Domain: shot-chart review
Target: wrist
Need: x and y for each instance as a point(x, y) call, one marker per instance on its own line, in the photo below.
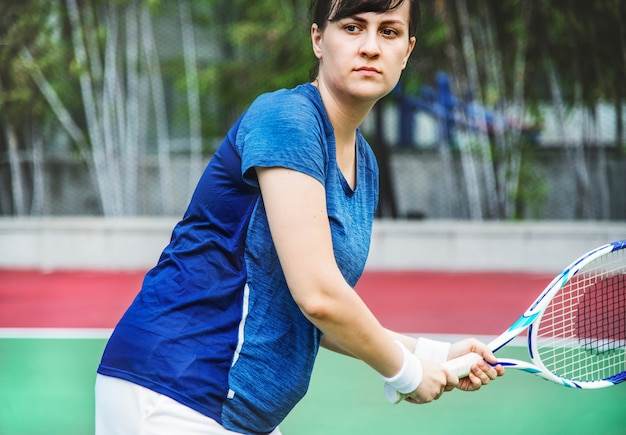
point(410, 375)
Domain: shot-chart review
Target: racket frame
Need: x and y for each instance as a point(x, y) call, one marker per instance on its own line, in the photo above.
point(532, 316)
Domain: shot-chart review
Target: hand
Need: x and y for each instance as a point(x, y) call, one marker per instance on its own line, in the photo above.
point(482, 372)
point(435, 381)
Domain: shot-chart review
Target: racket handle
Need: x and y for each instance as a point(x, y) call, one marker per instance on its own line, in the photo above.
point(460, 366)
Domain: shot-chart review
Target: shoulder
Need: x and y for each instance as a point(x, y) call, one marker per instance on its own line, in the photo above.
point(298, 96)
point(300, 107)
point(286, 128)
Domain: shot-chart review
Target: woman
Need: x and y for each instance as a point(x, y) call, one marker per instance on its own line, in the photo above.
point(260, 271)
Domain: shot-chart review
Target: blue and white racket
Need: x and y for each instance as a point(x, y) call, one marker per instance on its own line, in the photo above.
point(576, 327)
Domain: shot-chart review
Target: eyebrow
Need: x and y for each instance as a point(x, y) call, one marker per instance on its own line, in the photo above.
point(363, 20)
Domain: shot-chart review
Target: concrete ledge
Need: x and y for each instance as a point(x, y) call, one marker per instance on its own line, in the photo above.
point(136, 243)
point(83, 243)
point(487, 246)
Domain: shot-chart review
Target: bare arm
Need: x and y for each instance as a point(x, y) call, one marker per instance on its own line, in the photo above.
point(296, 209)
point(408, 342)
point(295, 204)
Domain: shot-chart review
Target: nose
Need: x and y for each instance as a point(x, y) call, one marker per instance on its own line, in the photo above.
point(370, 47)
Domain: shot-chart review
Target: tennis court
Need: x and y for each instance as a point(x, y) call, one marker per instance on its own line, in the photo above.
point(53, 328)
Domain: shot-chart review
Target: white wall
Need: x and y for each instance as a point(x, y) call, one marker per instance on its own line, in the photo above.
point(135, 244)
point(492, 246)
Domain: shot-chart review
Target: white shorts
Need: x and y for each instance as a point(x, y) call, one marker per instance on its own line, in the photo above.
point(124, 408)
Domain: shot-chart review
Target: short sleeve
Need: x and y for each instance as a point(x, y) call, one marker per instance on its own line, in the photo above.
point(282, 129)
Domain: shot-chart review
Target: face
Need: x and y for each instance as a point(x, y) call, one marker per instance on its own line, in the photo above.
point(361, 57)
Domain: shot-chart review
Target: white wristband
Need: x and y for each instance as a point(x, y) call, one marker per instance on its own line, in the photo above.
point(432, 350)
point(409, 376)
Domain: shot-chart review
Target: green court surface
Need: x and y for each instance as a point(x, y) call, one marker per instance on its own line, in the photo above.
point(46, 387)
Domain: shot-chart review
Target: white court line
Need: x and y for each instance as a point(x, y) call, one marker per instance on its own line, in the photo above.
point(105, 333)
point(59, 333)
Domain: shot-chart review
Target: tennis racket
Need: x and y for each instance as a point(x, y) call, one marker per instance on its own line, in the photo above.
point(576, 327)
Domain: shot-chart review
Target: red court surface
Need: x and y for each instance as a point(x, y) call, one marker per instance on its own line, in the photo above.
point(425, 302)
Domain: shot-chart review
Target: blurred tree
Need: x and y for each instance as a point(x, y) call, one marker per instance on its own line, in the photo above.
point(517, 56)
point(586, 41)
point(265, 46)
point(96, 68)
point(27, 27)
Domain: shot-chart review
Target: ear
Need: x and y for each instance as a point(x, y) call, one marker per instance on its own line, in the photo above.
point(316, 39)
point(409, 51)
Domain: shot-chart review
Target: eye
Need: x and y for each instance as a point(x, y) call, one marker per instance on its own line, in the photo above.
point(390, 33)
point(351, 28)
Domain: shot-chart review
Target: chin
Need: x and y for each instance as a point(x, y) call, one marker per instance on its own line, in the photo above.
point(370, 91)
point(371, 96)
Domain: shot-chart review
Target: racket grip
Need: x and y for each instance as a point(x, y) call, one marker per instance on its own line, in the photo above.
point(460, 366)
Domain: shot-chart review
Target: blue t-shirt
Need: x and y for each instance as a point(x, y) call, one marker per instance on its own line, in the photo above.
point(214, 325)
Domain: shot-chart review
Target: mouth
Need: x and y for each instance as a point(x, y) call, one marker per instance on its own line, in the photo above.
point(368, 71)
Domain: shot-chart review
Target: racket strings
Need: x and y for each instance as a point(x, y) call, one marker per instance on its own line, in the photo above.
point(582, 333)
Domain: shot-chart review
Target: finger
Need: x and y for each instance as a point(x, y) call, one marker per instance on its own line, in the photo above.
point(451, 379)
point(470, 383)
point(499, 370)
point(485, 376)
point(443, 390)
point(491, 371)
point(476, 381)
point(489, 356)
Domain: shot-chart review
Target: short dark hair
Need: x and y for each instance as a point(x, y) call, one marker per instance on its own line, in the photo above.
point(323, 11)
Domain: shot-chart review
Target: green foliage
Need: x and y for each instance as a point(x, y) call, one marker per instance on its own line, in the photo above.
point(265, 46)
point(23, 25)
point(531, 199)
point(429, 54)
point(586, 41)
point(38, 27)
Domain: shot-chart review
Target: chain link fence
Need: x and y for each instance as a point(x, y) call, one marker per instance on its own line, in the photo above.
point(128, 131)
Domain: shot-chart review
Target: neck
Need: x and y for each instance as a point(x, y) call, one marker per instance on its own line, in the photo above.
point(344, 114)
